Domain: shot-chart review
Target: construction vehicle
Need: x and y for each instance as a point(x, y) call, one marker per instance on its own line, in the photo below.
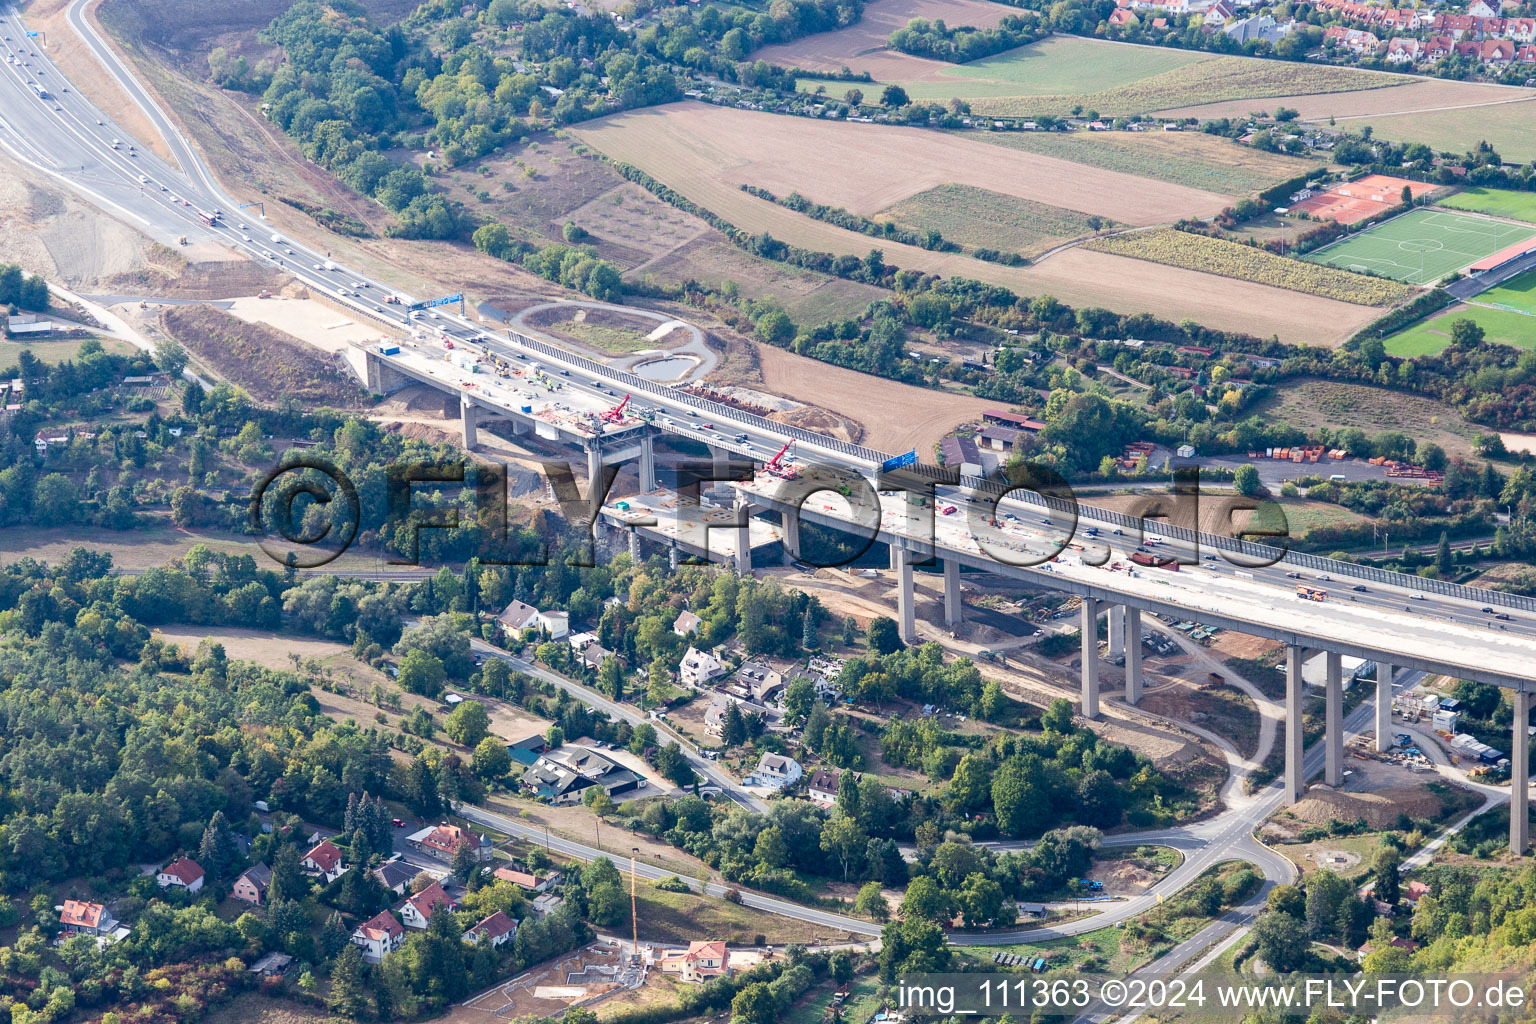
point(263, 294)
point(777, 467)
point(1307, 593)
point(1155, 561)
point(616, 413)
point(181, 240)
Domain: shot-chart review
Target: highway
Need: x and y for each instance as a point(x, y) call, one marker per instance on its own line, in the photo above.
point(64, 136)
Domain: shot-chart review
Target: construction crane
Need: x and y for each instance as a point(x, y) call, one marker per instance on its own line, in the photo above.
point(616, 413)
point(776, 466)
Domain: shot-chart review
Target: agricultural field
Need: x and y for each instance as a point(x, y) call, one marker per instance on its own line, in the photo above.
point(1061, 73)
point(1422, 246)
point(1247, 263)
point(1505, 125)
point(52, 352)
point(865, 168)
point(1428, 337)
point(984, 219)
point(1311, 403)
point(1517, 293)
point(1407, 96)
point(662, 142)
point(862, 45)
point(1180, 158)
point(1495, 202)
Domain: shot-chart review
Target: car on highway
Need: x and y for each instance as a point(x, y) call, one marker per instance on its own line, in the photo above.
point(948, 510)
point(99, 121)
point(706, 426)
point(1502, 617)
point(1293, 575)
point(1360, 588)
point(1487, 610)
point(245, 238)
point(318, 267)
point(288, 251)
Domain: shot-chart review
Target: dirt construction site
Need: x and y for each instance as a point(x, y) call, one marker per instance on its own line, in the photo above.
point(584, 977)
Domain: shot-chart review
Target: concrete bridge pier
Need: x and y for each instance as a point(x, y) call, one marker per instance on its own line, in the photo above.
point(954, 604)
point(469, 418)
point(634, 544)
point(1133, 679)
point(1520, 776)
point(743, 537)
point(1295, 688)
point(594, 467)
point(905, 613)
point(789, 522)
point(1333, 725)
point(1384, 675)
point(673, 556)
point(647, 464)
point(1090, 627)
point(1116, 631)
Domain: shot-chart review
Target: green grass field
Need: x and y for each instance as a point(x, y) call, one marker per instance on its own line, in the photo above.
point(1498, 202)
point(57, 351)
point(989, 220)
point(1517, 293)
point(1068, 64)
point(1422, 246)
point(1429, 337)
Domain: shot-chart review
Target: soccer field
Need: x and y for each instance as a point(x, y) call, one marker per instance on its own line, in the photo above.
point(1516, 293)
point(1496, 201)
point(1423, 246)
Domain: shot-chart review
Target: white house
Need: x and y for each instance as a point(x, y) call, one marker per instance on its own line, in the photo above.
point(416, 912)
point(324, 861)
point(822, 788)
point(517, 618)
point(696, 965)
point(496, 929)
point(181, 873)
point(379, 937)
point(775, 771)
point(686, 624)
point(699, 668)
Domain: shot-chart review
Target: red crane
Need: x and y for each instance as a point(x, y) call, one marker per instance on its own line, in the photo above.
point(776, 466)
point(616, 413)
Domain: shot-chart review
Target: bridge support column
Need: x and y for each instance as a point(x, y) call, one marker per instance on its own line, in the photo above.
point(906, 616)
point(789, 523)
point(634, 545)
point(1333, 725)
point(1384, 675)
point(673, 556)
point(744, 538)
point(1294, 689)
point(469, 419)
point(1116, 631)
point(594, 467)
point(647, 464)
point(1090, 624)
point(1520, 777)
point(954, 604)
point(894, 564)
point(1133, 678)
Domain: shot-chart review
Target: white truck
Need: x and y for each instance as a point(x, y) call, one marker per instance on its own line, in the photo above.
point(277, 238)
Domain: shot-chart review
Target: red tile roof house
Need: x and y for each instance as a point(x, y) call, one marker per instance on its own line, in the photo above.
point(379, 937)
point(181, 873)
point(251, 887)
point(443, 841)
point(497, 928)
point(417, 910)
point(324, 860)
point(86, 918)
point(527, 879)
point(702, 961)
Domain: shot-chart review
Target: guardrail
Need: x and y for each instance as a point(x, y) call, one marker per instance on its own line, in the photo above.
point(1264, 552)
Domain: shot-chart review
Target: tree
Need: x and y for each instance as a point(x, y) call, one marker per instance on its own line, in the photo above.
point(468, 724)
point(218, 853)
point(798, 698)
point(981, 899)
point(850, 630)
point(1443, 561)
point(841, 965)
point(871, 902)
point(925, 900)
point(1245, 480)
point(1388, 882)
point(844, 839)
point(610, 678)
point(287, 883)
point(1466, 333)
point(854, 97)
point(894, 96)
point(1282, 941)
point(1020, 796)
point(754, 1004)
point(491, 760)
point(883, 637)
point(422, 673)
point(1407, 196)
point(733, 729)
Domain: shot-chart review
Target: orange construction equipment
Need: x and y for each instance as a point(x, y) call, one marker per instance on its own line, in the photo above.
point(776, 466)
point(616, 413)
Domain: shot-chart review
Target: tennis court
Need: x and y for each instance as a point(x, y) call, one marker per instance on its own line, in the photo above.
point(1423, 246)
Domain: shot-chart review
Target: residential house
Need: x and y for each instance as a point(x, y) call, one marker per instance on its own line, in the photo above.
point(580, 641)
point(686, 624)
point(251, 887)
point(775, 771)
point(1435, 47)
point(527, 750)
point(714, 715)
point(1219, 13)
point(496, 929)
point(822, 788)
point(546, 903)
point(1414, 890)
point(80, 917)
point(517, 618)
point(1120, 17)
point(396, 875)
point(417, 910)
point(324, 860)
point(593, 766)
point(699, 668)
point(1257, 29)
point(273, 965)
point(1484, 9)
point(697, 964)
point(555, 783)
point(595, 654)
point(443, 841)
point(528, 880)
point(1404, 51)
point(762, 682)
point(380, 936)
point(181, 873)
